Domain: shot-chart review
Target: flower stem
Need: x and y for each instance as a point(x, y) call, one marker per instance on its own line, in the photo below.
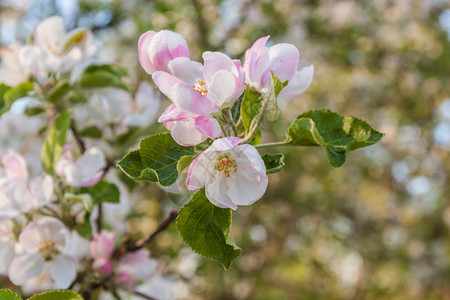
point(275, 144)
point(229, 119)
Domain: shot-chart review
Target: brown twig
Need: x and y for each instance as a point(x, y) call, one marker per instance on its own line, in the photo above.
point(143, 295)
point(163, 226)
point(77, 136)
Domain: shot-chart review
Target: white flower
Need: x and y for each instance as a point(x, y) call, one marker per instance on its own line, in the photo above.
point(87, 170)
point(46, 241)
point(16, 194)
point(232, 174)
point(144, 107)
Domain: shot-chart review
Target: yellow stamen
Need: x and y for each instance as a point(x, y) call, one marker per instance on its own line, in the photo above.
point(226, 164)
point(48, 249)
point(201, 87)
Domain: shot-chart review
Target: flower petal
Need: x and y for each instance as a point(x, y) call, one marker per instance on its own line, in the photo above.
point(217, 192)
point(200, 170)
point(183, 95)
point(63, 271)
point(225, 144)
point(16, 166)
point(222, 87)
point(187, 70)
point(144, 59)
point(246, 186)
point(25, 267)
point(208, 126)
point(50, 34)
point(298, 84)
point(185, 133)
point(214, 62)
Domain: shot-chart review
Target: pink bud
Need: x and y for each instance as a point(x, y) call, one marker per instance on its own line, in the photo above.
point(125, 281)
point(102, 265)
point(102, 245)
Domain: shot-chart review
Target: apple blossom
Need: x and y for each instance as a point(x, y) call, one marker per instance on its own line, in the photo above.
point(17, 195)
point(11, 72)
point(86, 170)
point(198, 91)
point(102, 247)
point(157, 49)
point(56, 50)
point(144, 108)
point(283, 60)
point(133, 268)
point(46, 241)
point(232, 174)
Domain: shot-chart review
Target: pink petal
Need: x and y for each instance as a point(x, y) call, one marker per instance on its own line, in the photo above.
point(138, 265)
point(225, 144)
point(173, 113)
point(200, 170)
point(252, 56)
point(214, 62)
point(165, 46)
point(16, 166)
point(144, 58)
point(208, 126)
point(284, 61)
point(102, 265)
point(102, 245)
point(183, 95)
point(222, 87)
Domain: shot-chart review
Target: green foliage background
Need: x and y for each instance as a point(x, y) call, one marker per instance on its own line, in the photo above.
point(376, 228)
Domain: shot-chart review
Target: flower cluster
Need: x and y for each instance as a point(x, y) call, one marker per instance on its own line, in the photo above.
point(231, 170)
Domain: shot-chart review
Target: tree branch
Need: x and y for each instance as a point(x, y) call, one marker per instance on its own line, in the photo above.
point(77, 136)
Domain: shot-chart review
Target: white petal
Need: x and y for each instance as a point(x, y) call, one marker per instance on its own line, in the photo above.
point(50, 33)
point(223, 86)
point(63, 271)
point(6, 255)
point(246, 187)
point(90, 163)
point(216, 192)
point(298, 84)
point(186, 134)
point(200, 169)
point(250, 155)
point(15, 165)
point(25, 267)
point(187, 70)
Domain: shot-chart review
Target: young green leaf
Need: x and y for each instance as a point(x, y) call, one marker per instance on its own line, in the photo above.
point(103, 192)
point(156, 160)
point(58, 91)
point(9, 95)
point(84, 227)
point(336, 134)
point(271, 109)
point(274, 162)
point(85, 199)
point(250, 106)
point(184, 162)
point(54, 142)
point(92, 132)
point(206, 227)
point(57, 295)
point(102, 76)
point(9, 295)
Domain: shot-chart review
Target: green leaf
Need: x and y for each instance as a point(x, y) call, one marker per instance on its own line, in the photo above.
point(274, 162)
point(206, 227)
point(102, 76)
point(33, 111)
point(271, 109)
point(54, 142)
point(9, 295)
point(336, 134)
point(184, 162)
point(76, 36)
point(9, 95)
point(156, 160)
point(57, 295)
point(250, 106)
point(86, 199)
point(84, 228)
point(103, 192)
point(92, 132)
point(58, 91)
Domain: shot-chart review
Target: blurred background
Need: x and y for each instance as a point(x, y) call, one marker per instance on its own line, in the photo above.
point(376, 228)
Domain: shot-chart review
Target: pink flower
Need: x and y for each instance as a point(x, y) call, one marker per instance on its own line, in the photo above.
point(46, 241)
point(157, 49)
point(102, 245)
point(86, 170)
point(197, 91)
point(283, 60)
point(144, 107)
point(135, 267)
point(232, 174)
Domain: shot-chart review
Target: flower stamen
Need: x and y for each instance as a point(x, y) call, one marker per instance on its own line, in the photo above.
point(48, 249)
point(201, 87)
point(225, 164)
